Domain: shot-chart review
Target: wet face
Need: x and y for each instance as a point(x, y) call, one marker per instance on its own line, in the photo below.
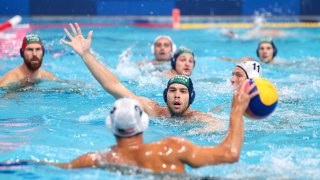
point(177, 99)
point(266, 52)
point(163, 49)
point(185, 64)
point(238, 76)
point(32, 56)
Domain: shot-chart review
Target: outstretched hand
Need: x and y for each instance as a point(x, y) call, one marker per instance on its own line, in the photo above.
point(244, 59)
point(78, 43)
point(242, 95)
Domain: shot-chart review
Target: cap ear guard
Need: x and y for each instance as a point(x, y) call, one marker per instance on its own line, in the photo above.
point(144, 121)
point(275, 50)
point(173, 62)
point(108, 119)
point(21, 52)
point(192, 97)
point(165, 92)
point(192, 94)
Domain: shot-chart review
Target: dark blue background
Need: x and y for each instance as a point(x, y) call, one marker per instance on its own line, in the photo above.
point(160, 7)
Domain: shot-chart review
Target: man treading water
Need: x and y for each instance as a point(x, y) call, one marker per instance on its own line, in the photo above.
point(29, 73)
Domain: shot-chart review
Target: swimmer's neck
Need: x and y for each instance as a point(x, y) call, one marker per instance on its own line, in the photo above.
point(185, 114)
point(271, 61)
point(158, 61)
point(161, 60)
point(133, 142)
point(27, 72)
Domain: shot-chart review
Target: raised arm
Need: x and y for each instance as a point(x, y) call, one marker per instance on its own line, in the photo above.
point(229, 149)
point(103, 75)
point(237, 60)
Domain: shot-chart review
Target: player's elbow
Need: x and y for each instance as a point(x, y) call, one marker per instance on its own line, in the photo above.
point(232, 155)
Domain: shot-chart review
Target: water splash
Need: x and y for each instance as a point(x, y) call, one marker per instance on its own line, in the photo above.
point(127, 69)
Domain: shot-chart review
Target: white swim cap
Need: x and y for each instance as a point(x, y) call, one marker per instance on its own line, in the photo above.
point(251, 68)
point(127, 118)
point(174, 47)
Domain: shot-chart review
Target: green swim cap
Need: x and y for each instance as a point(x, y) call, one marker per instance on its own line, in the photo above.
point(266, 40)
point(180, 79)
point(30, 38)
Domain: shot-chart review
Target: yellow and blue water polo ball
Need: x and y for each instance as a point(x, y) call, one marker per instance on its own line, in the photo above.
point(263, 104)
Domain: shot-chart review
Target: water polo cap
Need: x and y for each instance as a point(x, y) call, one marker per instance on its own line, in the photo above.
point(127, 118)
point(251, 68)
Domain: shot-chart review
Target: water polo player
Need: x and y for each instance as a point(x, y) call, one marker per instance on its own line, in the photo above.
point(32, 52)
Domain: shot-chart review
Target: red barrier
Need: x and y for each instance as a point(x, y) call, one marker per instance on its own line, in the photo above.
point(10, 23)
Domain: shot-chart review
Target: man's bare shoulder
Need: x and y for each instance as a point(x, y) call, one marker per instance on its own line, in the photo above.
point(47, 75)
point(12, 72)
point(174, 141)
point(10, 77)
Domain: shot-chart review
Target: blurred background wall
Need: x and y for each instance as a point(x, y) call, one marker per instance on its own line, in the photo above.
point(160, 7)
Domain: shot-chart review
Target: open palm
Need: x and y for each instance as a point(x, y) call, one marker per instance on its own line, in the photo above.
point(78, 43)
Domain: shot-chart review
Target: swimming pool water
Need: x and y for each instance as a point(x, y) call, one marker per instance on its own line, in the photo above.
point(57, 122)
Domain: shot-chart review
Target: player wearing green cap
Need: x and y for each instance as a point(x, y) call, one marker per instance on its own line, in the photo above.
point(266, 52)
point(32, 52)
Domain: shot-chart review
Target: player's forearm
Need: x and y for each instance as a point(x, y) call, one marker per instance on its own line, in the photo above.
point(234, 139)
point(61, 165)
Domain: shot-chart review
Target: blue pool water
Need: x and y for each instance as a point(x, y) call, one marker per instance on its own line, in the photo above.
point(57, 122)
